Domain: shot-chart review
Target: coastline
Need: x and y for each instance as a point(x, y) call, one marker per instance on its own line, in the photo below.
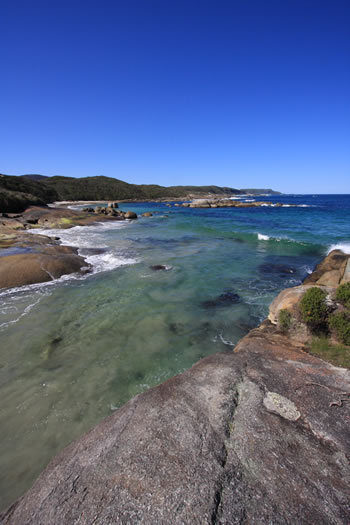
point(234, 437)
point(28, 258)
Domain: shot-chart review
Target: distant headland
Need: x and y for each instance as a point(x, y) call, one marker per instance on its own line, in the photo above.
point(19, 192)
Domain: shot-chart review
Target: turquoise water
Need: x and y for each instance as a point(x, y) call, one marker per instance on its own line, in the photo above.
point(75, 350)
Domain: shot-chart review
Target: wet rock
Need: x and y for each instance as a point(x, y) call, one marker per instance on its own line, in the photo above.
point(225, 299)
point(31, 268)
point(159, 267)
point(113, 205)
point(92, 251)
point(330, 271)
point(147, 214)
point(130, 215)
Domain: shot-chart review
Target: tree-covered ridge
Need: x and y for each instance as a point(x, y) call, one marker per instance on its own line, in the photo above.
point(41, 189)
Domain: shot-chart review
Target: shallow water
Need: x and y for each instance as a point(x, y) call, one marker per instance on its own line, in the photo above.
point(74, 350)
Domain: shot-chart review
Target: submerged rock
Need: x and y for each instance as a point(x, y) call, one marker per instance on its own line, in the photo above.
point(279, 269)
point(225, 299)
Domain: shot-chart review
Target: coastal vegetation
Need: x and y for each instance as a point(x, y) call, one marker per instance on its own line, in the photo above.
point(284, 320)
point(18, 192)
point(313, 308)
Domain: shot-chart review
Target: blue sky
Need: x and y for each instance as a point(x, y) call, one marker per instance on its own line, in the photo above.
point(237, 93)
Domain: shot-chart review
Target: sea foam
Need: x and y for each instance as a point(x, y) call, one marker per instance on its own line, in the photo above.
point(263, 237)
point(343, 246)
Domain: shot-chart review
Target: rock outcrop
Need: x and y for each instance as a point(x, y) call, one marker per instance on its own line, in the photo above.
point(332, 271)
point(227, 203)
point(257, 436)
point(243, 437)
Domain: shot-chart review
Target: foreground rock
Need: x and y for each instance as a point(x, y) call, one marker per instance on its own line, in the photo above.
point(244, 437)
point(259, 436)
point(31, 268)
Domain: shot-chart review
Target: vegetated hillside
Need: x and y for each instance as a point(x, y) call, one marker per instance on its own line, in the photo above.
point(35, 176)
point(106, 188)
point(17, 193)
point(93, 188)
point(257, 191)
point(39, 189)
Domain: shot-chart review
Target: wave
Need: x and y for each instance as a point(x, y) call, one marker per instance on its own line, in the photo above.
point(263, 237)
point(83, 237)
point(343, 246)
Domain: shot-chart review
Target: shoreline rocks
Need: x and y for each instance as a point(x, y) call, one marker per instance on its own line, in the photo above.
point(256, 436)
point(35, 258)
point(228, 203)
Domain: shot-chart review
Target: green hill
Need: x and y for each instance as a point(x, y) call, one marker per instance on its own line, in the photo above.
point(18, 192)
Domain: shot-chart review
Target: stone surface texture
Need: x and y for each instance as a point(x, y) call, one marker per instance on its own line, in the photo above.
point(203, 449)
point(258, 436)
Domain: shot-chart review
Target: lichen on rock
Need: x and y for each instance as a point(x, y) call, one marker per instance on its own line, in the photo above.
point(282, 406)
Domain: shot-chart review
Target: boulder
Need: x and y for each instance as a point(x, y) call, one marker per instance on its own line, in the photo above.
point(244, 437)
point(330, 271)
point(130, 215)
point(31, 268)
point(346, 276)
point(147, 214)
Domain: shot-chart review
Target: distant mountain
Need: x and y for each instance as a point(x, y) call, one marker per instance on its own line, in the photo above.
point(17, 192)
point(256, 191)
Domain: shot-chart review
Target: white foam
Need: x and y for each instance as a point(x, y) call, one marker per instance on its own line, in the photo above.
point(343, 246)
point(80, 237)
point(107, 262)
point(263, 237)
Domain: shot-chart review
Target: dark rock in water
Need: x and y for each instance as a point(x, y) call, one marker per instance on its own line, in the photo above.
point(157, 267)
point(280, 269)
point(225, 299)
point(92, 251)
point(147, 214)
point(130, 215)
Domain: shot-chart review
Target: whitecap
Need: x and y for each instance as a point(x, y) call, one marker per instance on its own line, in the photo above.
point(263, 237)
point(343, 246)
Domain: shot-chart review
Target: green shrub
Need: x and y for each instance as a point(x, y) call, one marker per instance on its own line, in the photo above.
point(313, 308)
point(284, 320)
point(343, 294)
point(340, 323)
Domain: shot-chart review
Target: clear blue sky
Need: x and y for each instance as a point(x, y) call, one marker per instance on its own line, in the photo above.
point(237, 93)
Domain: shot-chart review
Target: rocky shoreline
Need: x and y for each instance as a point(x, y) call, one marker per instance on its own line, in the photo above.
point(259, 435)
point(27, 258)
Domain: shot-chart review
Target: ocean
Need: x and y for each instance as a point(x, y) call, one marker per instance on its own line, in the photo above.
point(76, 349)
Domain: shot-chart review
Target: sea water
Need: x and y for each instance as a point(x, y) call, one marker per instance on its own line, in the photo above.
point(76, 349)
